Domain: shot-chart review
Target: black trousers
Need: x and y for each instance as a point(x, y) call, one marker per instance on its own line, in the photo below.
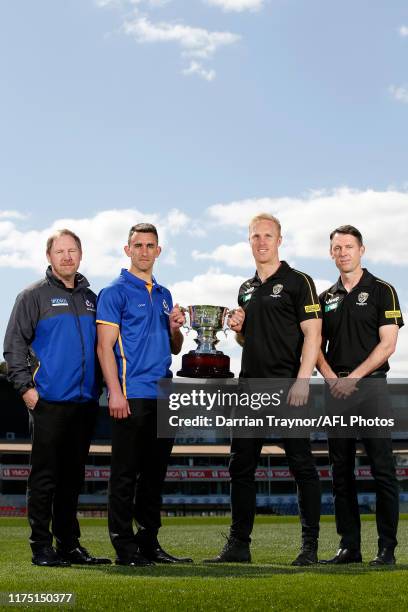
point(245, 454)
point(61, 435)
point(138, 469)
point(342, 454)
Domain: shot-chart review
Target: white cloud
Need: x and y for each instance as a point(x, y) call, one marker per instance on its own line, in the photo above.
point(236, 255)
point(103, 237)
point(399, 93)
point(170, 257)
point(195, 42)
point(11, 214)
point(237, 5)
point(213, 287)
point(175, 221)
point(197, 68)
point(308, 221)
point(403, 31)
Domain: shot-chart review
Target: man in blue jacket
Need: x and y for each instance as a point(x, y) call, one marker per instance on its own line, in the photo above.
point(49, 348)
point(138, 329)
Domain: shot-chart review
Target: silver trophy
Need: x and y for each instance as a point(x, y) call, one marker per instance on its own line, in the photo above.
point(205, 361)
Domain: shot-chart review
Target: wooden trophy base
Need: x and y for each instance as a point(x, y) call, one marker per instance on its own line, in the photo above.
point(205, 365)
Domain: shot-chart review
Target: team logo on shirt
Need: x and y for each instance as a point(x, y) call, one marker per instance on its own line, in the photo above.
point(59, 302)
point(166, 307)
point(362, 299)
point(331, 303)
point(276, 289)
point(247, 295)
point(90, 306)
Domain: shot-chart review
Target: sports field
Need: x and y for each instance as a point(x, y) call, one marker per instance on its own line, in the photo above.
point(269, 583)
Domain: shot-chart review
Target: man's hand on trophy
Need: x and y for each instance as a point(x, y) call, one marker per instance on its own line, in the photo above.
point(236, 319)
point(177, 318)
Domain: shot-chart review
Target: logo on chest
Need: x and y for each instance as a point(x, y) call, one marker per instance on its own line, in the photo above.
point(276, 291)
point(166, 307)
point(90, 305)
point(331, 303)
point(247, 295)
point(362, 299)
point(59, 302)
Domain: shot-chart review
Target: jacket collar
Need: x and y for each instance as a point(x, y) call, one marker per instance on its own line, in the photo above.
point(80, 281)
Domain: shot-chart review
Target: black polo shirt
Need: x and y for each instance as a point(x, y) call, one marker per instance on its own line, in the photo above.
point(273, 313)
point(351, 320)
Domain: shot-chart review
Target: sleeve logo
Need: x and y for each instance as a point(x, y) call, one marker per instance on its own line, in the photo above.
point(312, 308)
point(392, 314)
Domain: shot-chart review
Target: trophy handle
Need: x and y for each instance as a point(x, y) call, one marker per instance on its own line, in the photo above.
point(187, 325)
point(226, 315)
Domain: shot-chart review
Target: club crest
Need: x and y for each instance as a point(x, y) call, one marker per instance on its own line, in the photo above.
point(165, 306)
point(276, 289)
point(362, 297)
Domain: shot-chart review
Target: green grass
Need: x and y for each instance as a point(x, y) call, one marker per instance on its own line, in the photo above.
point(269, 583)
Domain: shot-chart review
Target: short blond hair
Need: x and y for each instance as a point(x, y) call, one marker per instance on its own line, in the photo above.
point(265, 217)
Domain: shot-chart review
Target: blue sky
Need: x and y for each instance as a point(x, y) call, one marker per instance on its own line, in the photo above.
point(197, 114)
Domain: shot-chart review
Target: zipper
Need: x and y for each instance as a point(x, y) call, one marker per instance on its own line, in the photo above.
point(78, 324)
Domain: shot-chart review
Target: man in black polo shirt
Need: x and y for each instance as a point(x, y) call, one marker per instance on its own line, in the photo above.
point(278, 324)
point(361, 319)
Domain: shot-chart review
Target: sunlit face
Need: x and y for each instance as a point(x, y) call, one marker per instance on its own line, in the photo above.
point(347, 252)
point(143, 251)
point(265, 239)
point(64, 257)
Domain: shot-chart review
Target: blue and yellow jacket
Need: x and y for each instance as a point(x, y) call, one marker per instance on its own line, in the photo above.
point(50, 341)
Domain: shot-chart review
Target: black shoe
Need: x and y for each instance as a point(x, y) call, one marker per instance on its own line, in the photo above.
point(48, 557)
point(136, 560)
point(234, 551)
point(150, 548)
point(343, 556)
point(385, 556)
point(307, 555)
point(80, 556)
point(156, 554)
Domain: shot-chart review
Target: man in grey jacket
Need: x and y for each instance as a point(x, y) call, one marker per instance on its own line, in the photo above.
point(49, 348)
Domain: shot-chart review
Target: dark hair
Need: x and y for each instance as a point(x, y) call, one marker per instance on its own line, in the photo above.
point(144, 228)
point(348, 229)
point(58, 234)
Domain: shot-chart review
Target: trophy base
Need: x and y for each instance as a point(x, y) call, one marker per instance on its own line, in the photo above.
point(205, 365)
